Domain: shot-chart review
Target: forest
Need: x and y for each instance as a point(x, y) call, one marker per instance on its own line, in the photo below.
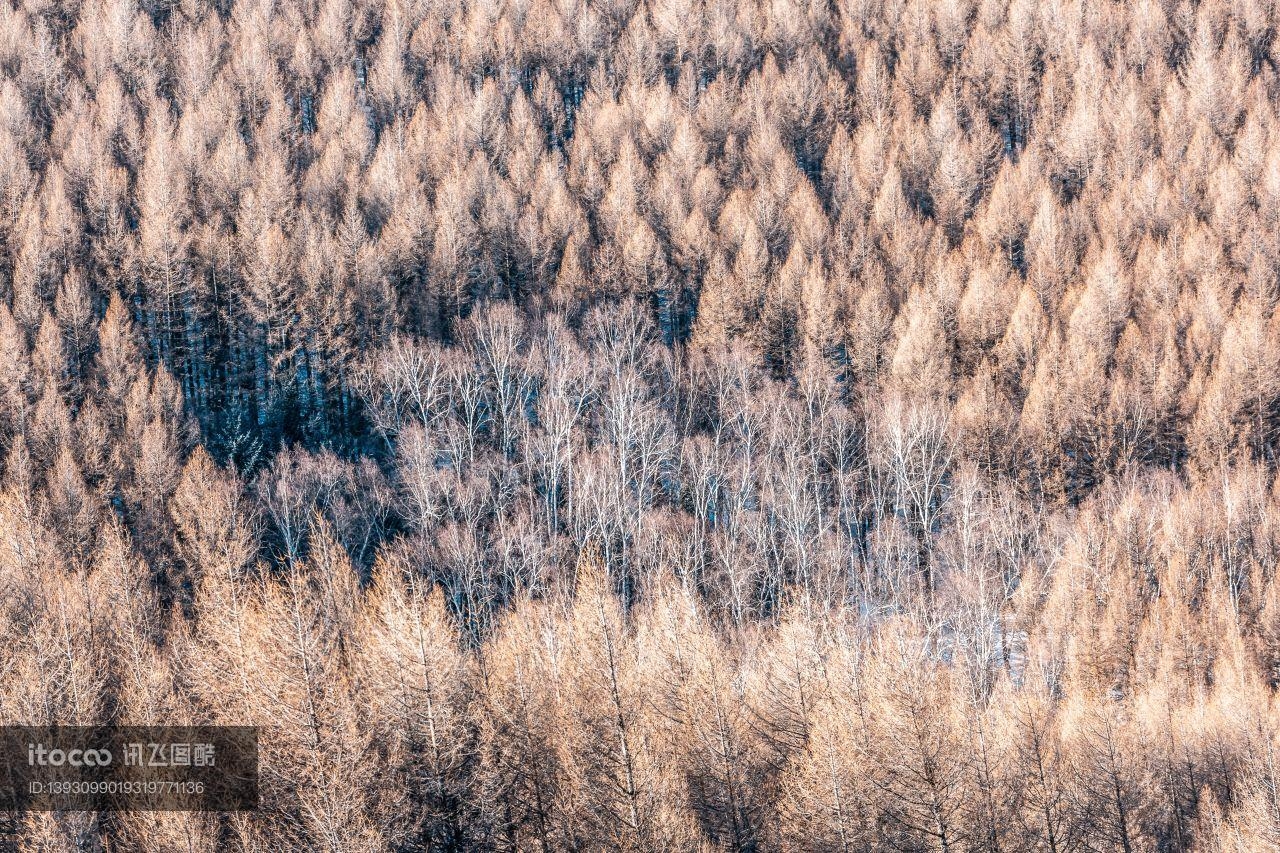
point(845, 426)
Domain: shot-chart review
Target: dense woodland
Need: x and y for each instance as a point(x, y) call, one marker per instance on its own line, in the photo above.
point(651, 425)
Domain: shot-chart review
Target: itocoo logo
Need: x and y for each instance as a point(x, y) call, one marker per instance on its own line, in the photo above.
point(40, 755)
